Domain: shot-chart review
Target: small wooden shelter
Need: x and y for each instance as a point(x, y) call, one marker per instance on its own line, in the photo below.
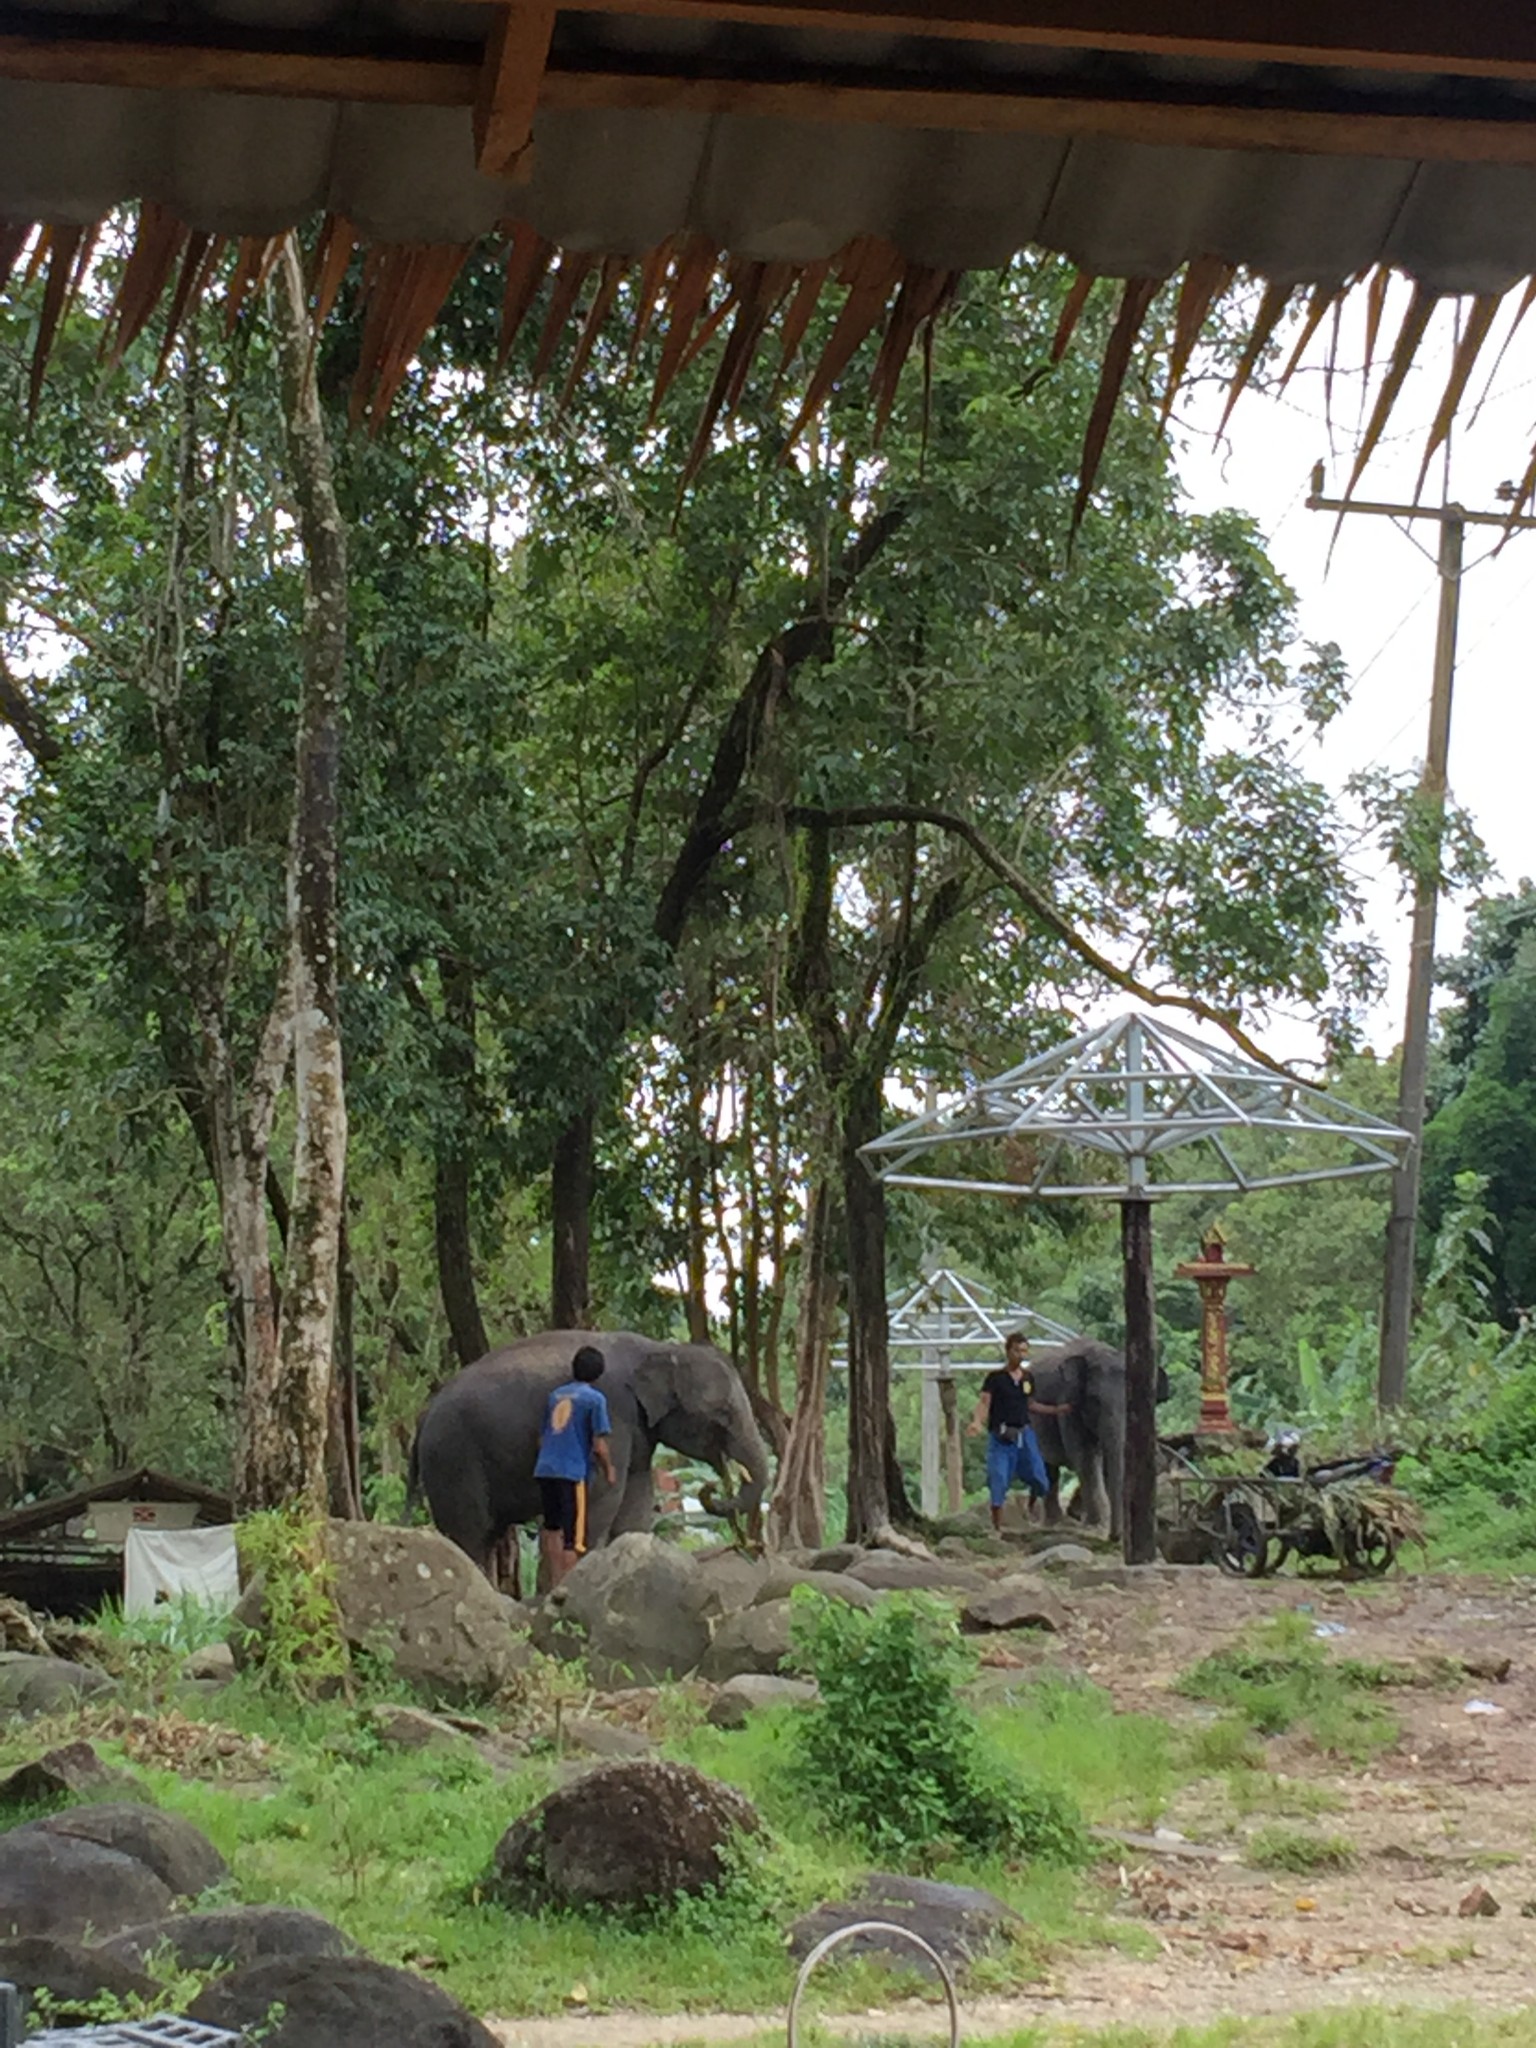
point(64, 1555)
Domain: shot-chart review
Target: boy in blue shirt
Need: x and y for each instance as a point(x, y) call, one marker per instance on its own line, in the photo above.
point(575, 1436)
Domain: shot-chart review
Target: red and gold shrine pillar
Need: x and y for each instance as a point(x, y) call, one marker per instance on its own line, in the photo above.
point(1211, 1273)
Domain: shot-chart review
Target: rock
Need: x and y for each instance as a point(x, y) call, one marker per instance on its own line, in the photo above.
point(957, 1921)
point(604, 1739)
point(635, 1609)
point(752, 1691)
point(782, 1580)
point(757, 1640)
point(63, 1886)
point(230, 1936)
point(32, 1685)
point(214, 1665)
point(623, 1835)
point(337, 2002)
point(1014, 1603)
point(73, 1976)
point(1494, 1669)
point(890, 1571)
point(1125, 1578)
point(838, 1557)
point(732, 1579)
point(183, 1859)
point(1479, 1904)
point(413, 1727)
point(1059, 1557)
point(71, 1772)
point(414, 1596)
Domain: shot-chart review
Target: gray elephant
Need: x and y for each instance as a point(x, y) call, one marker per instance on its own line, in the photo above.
point(1087, 1380)
point(478, 1438)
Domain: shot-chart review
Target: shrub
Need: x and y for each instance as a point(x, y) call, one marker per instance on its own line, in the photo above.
point(299, 1647)
point(893, 1755)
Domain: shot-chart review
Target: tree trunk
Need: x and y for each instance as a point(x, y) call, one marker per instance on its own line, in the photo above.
point(797, 1513)
point(450, 1190)
point(871, 1502)
point(343, 1461)
point(570, 1306)
point(288, 1406)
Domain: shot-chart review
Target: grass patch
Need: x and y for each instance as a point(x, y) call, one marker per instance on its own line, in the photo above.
point(1277, 1848)
point(1253, 1792)
point(1278, 1677)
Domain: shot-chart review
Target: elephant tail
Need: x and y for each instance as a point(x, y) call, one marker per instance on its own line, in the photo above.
point(413, 1476)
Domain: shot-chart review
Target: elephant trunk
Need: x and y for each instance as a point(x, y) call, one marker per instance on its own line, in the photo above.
point(752, 1455)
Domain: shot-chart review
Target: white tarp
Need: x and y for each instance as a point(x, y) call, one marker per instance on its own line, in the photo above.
point(177, 1564)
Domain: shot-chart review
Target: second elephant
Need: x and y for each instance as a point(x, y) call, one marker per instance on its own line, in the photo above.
point(478, 1437)
point(1089, 1440)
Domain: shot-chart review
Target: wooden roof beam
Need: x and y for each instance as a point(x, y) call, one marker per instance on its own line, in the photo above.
point(1473, 38)
point(504, 84)
point(507, 91)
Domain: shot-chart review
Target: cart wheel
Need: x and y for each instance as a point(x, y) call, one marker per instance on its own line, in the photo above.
point(1373, 1552)
point(1242, 1544)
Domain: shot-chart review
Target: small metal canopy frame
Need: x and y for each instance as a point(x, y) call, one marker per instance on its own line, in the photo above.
point(949, 1323)
point(1122, 1099)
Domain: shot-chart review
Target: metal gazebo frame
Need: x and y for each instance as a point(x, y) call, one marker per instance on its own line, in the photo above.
point(944, 1324)
point(1131, 1093)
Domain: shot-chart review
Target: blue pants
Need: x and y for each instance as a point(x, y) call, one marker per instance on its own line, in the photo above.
point(1009, 1462)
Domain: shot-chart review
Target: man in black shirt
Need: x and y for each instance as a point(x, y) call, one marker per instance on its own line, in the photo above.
point(1003, 1411)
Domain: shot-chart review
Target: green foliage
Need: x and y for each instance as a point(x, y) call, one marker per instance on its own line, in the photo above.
point(181, 1625)
point(891, 1754)
point(1278, 1848)
point(299, 1647)
point(1278, 1676)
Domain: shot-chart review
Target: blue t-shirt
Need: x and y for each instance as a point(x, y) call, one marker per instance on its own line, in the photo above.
point(576, 1413)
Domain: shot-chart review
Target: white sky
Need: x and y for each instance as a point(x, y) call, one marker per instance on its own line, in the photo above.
point(1378, 596)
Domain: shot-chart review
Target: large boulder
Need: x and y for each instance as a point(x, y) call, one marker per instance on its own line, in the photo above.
point(73, 1771)
point(231, 1937)
point(624, 1835)
point(892, 1571)
point(31, 1685)
point(412, 1599)
point(751, 1692)
point(732, 1578)
point(337, 2002)
point(66, 1887)
point(782, 1580)
point(1017, 1602)
point(756, 1640)
point(73, 1976)
point(183, 1859)
point(637, 1610)
point(958, 1922)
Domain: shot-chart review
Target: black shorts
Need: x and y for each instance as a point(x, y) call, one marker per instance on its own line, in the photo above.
point(565, 1509)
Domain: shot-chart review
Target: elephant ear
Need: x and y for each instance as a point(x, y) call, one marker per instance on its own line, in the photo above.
point(655, 1384)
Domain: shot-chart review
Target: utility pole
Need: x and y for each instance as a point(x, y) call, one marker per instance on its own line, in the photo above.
point(1402, 1222)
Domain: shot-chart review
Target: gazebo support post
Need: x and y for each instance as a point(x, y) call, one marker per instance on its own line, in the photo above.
point(1139, 1512)
point(954, 1472)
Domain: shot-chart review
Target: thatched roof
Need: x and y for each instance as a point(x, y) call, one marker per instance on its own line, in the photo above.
point(737, 159)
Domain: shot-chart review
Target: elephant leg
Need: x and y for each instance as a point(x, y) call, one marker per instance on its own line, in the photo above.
point(1082, 1456)
point(1052, 1502)
point(636, 1508)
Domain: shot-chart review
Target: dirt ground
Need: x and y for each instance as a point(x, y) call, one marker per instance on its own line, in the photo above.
point(1446, 1810)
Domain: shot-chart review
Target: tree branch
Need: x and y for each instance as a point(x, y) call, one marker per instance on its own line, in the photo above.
point(752, 716)
point(18, 711)
point(1037, 902)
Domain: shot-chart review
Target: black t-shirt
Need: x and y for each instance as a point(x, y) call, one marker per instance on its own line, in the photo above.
point(1008, 1399)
